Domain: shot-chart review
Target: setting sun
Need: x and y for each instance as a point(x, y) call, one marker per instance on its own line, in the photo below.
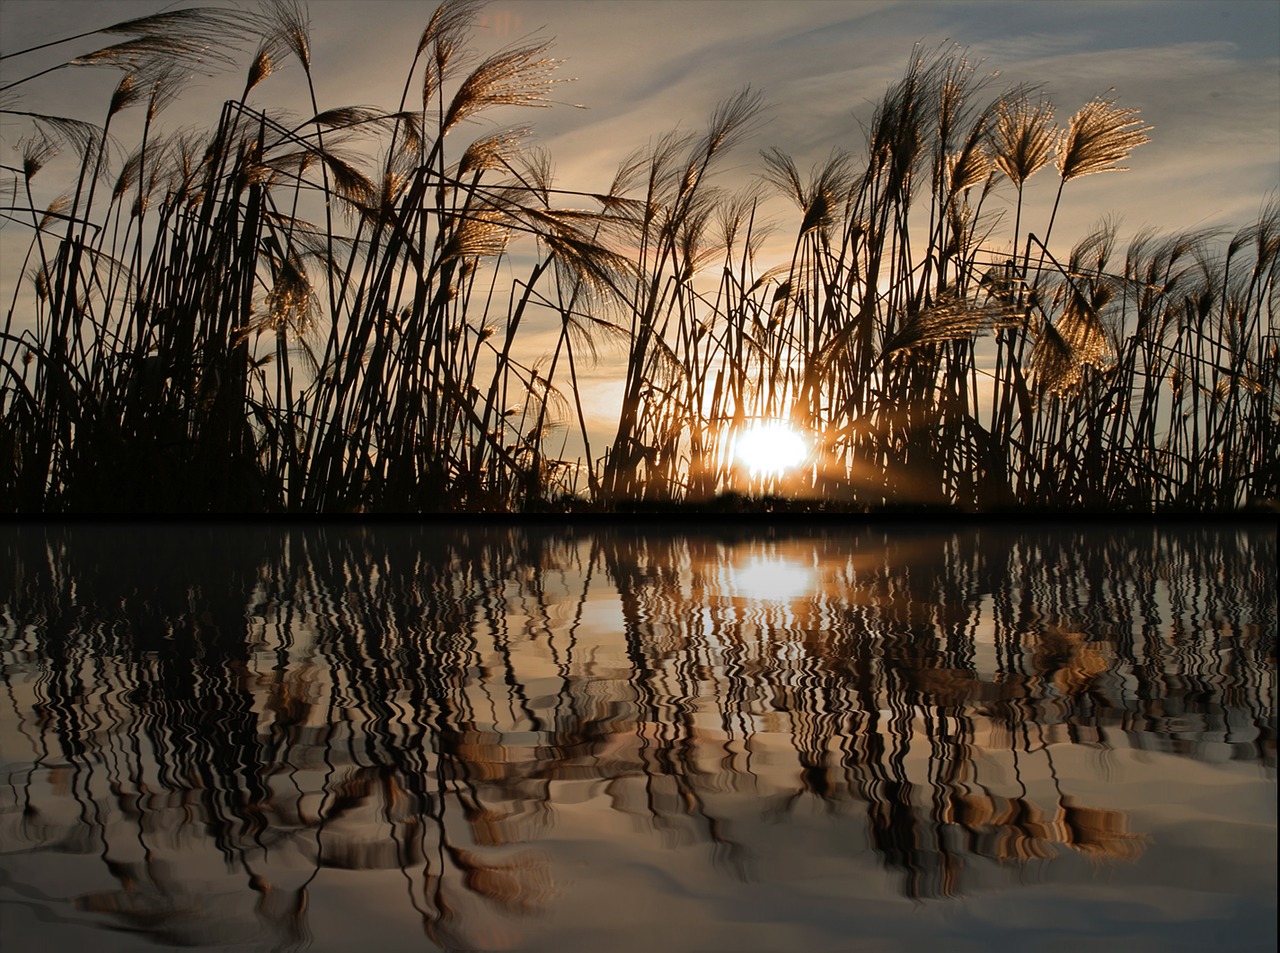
point(663, 320)
point(771, 447)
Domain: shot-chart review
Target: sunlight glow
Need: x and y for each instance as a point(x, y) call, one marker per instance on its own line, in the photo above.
point(772, 579)
point(771, 447)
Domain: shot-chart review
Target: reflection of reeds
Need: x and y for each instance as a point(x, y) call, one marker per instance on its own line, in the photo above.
point(288, 314)
point(419, 700)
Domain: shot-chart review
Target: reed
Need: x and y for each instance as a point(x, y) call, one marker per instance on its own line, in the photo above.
point(310, 314)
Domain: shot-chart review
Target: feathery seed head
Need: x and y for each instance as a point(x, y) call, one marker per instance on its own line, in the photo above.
point(289, 27)
point(1098, 137)
point(57, 207)
point(197, 39)
point(40, 277)
point(968, 168)
point(1083, 331)
point(1024, 138)
point(1054, 368)
point(263, 65)
point(478, 234)
point(444, 36)
point(35, 153)
point(828, 184)
point(491, 152)
point(952, 317)
point(291, 303)
point(393, 184)
point(513, 77)
point(128, 174)
point(163, 87)
point(127, 92)
point(211, 32)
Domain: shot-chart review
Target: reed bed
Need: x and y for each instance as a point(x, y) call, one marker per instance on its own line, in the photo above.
point(331, 313)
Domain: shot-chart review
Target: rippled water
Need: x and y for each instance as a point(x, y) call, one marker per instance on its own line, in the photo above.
point(638, 738)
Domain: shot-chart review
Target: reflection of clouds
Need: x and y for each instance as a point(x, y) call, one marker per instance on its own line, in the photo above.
point(484, 732)
point(1015, 830)
point(1068, 660)
point(1097, 832)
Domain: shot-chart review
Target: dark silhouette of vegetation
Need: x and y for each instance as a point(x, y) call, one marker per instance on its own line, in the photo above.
point(305, 315)
point(299, 702)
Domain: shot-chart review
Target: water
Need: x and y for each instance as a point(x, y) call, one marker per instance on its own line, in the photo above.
point(638, 738)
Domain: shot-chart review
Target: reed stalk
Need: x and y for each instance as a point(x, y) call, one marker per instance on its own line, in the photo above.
point(310, 314)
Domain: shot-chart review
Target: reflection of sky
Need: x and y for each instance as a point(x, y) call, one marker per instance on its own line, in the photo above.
point(567, 674)
point(1204, 74)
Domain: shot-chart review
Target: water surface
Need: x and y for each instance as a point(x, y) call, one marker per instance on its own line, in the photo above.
point(638, 738)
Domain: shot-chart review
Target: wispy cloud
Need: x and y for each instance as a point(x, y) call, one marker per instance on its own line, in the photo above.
point(1205, 75)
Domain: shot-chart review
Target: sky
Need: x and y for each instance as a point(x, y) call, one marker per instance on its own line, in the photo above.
point(1205, 76)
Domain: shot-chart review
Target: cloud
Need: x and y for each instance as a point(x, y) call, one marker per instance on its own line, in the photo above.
point(646, 67)
point(1203, 74)
point(1205, 77)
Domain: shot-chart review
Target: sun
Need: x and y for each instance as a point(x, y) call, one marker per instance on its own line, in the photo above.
point(771, 447)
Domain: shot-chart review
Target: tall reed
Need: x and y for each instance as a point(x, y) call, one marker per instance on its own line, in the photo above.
point(331, 313)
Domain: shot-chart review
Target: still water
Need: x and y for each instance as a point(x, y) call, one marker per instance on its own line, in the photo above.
point(638, 738)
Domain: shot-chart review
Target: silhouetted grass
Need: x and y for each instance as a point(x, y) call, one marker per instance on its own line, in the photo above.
point(307, 316)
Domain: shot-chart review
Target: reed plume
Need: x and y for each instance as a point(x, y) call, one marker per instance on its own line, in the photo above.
point(1024, 140)
point(334, 311)
point(1098, 137)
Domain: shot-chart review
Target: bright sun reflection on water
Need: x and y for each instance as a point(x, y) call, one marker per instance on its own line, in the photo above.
point(771, 447)
point(496, 739)
point(772, 579)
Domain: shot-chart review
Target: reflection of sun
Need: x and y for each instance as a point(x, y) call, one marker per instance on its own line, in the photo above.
point(771, 447)
point(772, 579)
